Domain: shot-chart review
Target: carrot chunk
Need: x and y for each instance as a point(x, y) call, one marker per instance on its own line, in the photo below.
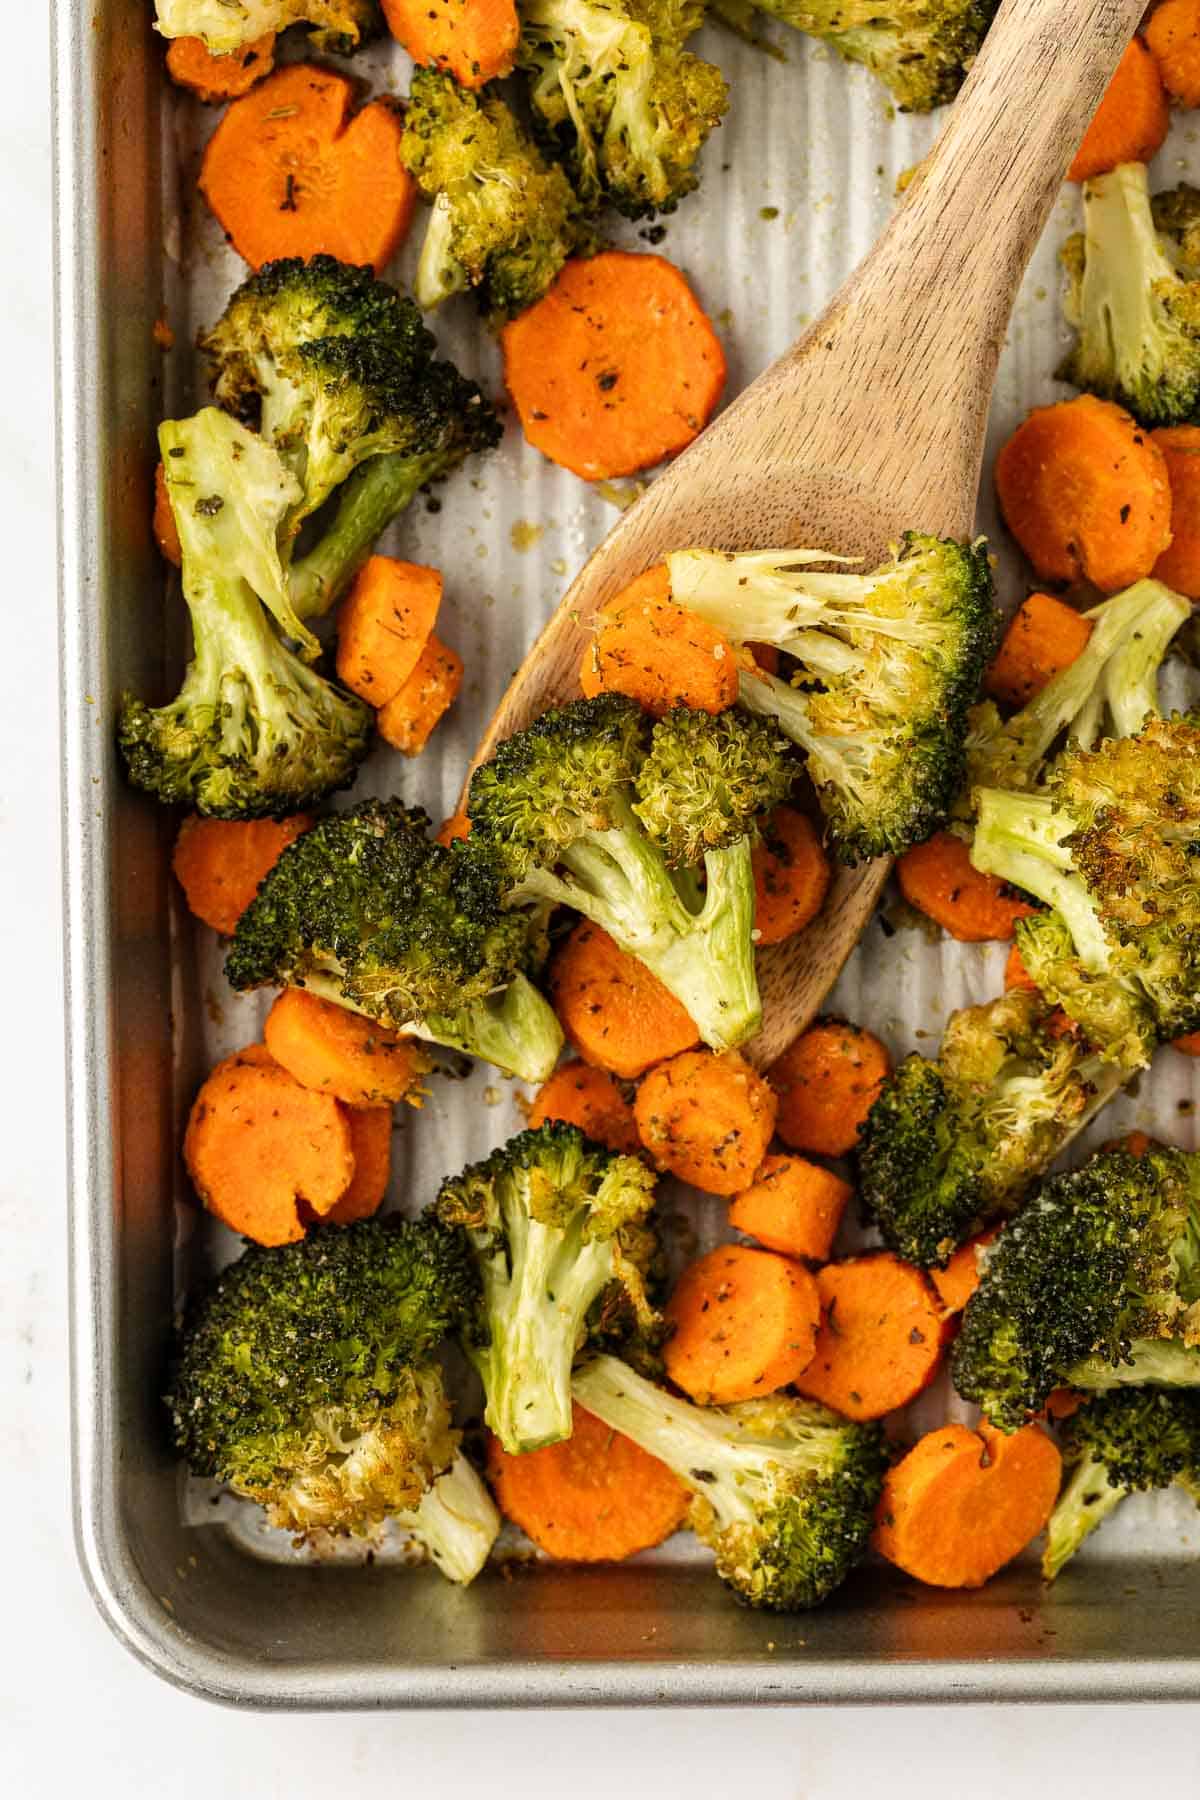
point(219, 863)
point(958, 1280)
point(659, 654)
point(590, 1098)
point(708, 1119)
point(1084, 491)
point(791, 875)
point(384, 623)
point(409, 718)
point(1172, 34)
point(940, 880)
point(615, 367)
point(1132, 120)
point(1179, 564)
point(827, 1082)
point(1044, 637)
point(1016, 975)
point(793, 1206)
point(288, 172)
point(963, 1503)
point(595, 1497)
point(1188, 1045)
point(263, 1152)
point(882, 1335)
point(473, 40)
point(166, 532)
point(191, 64)
point(337, 1052)
point(371, 1142)
point(745, 1324)
point(615, 1013)
point(457, 826)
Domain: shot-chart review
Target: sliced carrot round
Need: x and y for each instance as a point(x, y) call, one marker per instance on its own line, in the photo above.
point(473, 40)
point(288, 172)
point(1044, 637)
point(963, 1503)
point(457, 826)
point(615, 1013)
point(337, 1052)
point(882, 1335)
point(657, 653)
point(383, 624)
point(827, 1081)
point(940, 880)
point(793, 1206)
point(595, 1497)
point(219, 863)
point(1188, 1045)
point(791, 875)
point(616, 367)
point(407, 721)
point(590, 1098)
point(1172, 34)
point(1132, 120)
point(708, 1119)
point(744, 1324)
point(371, 1142)
point(191, 64)
point(1016, 975)
point(1179, 564)
point(958, 1280)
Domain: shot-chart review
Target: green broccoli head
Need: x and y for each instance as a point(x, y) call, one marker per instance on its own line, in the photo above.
point(952, 1143)
point(1176, 215)
point(375, 915)
point(1123, 1443)
point(1102, 1258)
point(1137, 317)
point(338, 26)
point(783, 1490)
point(504, 220)
point(618, 96)
point(336, 370)
point(252, 733)
point(886, 668)
point(554, 1221)
point(302, 1375)
point(709, 779)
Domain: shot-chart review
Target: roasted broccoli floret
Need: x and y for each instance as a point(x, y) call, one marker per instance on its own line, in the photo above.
point(303, 1375)
point(1110, 690)
point(1137, 316)
point(596, 808)
point(252, 732)
point(1176, 214)
point(1094, 1284)
point(783, 1490)
point(554, 1221)
point(504, 220)
point(920, 49)
point(366, 910)
point(337, 372)
point(1120, 1444)
point(952, 1143)
point(887, 666)
point(620, 98)
point(455, 1522)
point(339, 26)
point(1113, 847)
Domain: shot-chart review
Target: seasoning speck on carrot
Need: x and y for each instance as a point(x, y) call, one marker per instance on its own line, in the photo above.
point(827, 1081)
point(707, 1119)
point(744, 1325)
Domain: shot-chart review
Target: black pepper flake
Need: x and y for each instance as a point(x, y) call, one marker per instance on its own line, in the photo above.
point(608, 381)
point(289, 203)
point(209, 508)
point(1125, 512)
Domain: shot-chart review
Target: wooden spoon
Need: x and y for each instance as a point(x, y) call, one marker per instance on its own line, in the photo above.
point(874, 421)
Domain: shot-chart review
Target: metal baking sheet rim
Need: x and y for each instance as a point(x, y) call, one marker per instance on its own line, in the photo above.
point(139, 1617)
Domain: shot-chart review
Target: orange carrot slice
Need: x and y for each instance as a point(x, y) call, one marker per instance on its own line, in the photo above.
point(371, 1142)
point(473, 40)
point(591, 1099)
point(337, 1052)
point(793, 1206)
point(708, 1119)
point(940, 880)
point(615, 1013)
point(657, 653)
point(745, 1324)
point(191, 64)
point(384, 623)
point(219, 863)
point(409, 718)
point(827, 1082)
point(791, 875)
point(882, 1335)
point(1044, 637)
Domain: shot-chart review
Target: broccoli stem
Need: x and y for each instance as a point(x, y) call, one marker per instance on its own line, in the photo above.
point(1086, 1501)
point(439, 272)
point(366, 505)
point(456, 1522)
point(516, 1031)
point(1021, 838)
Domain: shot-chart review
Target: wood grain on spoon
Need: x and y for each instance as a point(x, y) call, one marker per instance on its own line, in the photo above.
point(874, 421)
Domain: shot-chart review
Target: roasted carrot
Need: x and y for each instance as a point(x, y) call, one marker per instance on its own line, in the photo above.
point(1084, 491)
point(958, 1280)
point(882, 1335)
point(384, 624)
point(658, 653)
point(1134, 1143)
point(963, 1503)
point(1131, 121)
point(288, 172)
point(595, 1497)
point(791, 876)
point(615, 1013)
point(191, 64)
point(473, 40)
point(744, 1324)
point(827, 1082)
point(340, 1053)
point(939, 879)
point(616, 367)
point(371, 1142)
point(793, 1206)
point(1179, 564)
point(456, 826)
point(1172, 35)
point(408, 719)
point(265, 1153)
point(1062, 1403)
point(1188, 1045)
point(1016, 975)
point(166, 532)
point(1044, 637)
point(592, 1099)
point(219, 863)
point(707, 1119)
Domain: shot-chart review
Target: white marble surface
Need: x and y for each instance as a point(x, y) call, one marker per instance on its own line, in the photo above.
point(76, 1714)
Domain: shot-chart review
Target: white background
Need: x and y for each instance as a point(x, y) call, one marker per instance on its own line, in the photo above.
point(76, 1713)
